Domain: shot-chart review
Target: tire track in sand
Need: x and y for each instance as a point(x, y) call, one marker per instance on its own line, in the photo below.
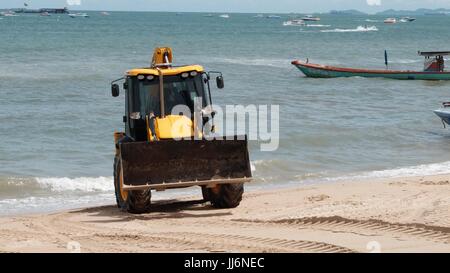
point(184, 240)
point(373, 227)
point(257, 244)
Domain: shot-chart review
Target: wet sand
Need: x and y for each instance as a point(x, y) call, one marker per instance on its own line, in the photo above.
point(382, 215)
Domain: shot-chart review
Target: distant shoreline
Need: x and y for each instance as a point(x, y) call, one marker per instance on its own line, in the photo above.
point(390, 12)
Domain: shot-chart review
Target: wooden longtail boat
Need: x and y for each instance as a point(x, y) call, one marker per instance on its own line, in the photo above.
point(434, 70)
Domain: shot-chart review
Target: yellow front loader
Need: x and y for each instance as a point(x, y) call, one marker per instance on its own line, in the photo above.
point(165, 144)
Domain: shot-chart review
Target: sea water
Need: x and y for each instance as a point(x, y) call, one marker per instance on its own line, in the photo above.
point(58, 117)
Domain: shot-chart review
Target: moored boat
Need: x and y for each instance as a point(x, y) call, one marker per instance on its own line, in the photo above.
point(407, 19)
point(310, 18)
point(9, 13)
point(390, 21)
point(444, 113)
point(433, 70)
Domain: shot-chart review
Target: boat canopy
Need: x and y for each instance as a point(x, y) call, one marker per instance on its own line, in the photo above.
point(434, 60)
point(434, 53)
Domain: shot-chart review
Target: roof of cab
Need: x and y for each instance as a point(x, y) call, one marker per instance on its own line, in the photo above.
point(171, 71)
point(434, 53)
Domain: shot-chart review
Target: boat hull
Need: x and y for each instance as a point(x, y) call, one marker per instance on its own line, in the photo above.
point(444, 115)
point(321, 71)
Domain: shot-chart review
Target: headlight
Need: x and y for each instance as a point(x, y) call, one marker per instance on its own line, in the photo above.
point(140, 77)
point(135, 115)
point(185, 75)
point(194, 73)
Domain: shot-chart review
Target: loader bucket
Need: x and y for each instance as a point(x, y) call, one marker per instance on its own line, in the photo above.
point(171, 164)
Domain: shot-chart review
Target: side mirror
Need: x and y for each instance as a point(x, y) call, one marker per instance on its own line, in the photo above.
point(220, 82)
point(115, 90)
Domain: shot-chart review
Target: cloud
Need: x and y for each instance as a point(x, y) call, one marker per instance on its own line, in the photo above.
point(374, 2)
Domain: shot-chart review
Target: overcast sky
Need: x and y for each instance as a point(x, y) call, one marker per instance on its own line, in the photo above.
point(269, 6)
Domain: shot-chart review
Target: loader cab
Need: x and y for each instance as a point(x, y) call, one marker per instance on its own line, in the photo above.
point(185, 90)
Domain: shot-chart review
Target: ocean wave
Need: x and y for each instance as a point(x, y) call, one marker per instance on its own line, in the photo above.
point(313, 25)
point(86, 184)
point(412, 171)
point(30, 185)
point(358, 29)
point(372, 21)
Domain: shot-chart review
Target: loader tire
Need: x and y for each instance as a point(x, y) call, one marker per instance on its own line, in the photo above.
point(226, 195)
point(136, 202)
point(205, 193)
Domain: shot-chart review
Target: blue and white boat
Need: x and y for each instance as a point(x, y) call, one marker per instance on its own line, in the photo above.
point(444, 113)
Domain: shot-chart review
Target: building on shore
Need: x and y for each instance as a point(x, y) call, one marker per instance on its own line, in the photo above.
point(48, 10)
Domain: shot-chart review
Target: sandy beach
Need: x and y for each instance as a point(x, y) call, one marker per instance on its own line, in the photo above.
point(383, 215)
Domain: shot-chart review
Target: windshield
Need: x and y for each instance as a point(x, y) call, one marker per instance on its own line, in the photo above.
point(177, 91)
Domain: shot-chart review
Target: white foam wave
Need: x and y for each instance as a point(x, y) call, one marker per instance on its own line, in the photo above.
point(412, 171)
point(372, 21)
point(86, 184)
point(287, 24)
point(358, 29)
point(313, 25)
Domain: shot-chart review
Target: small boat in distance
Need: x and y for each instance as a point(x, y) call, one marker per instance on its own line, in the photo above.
point(225, 16)
point(45, 14)
point(390, 21)
point(295, 22)
point(273, 17)
point(310, 18)
point(433, 70)
point(8, 13)
point(105, 13)
point(79, 14)
point(407, 19)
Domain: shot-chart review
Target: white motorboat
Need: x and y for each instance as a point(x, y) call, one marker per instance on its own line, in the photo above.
point(390, 21)
point(310, 18)
point(407, 19)
point(79, 14)
point(444, 113)
point(9, 13)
